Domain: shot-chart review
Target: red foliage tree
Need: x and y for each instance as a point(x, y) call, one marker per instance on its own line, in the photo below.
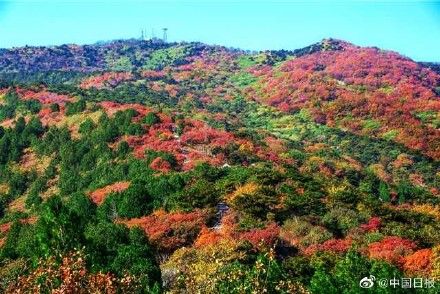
point(170, 231)
point(259, 238)
point(99, 195)
point(332, 245)
point(108, 79)
point(44, 96)
point(160, 164)
point(373, 224)
point(392, 249)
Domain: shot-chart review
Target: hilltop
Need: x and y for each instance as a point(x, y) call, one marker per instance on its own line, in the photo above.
point(118, 55)
point(173, 166)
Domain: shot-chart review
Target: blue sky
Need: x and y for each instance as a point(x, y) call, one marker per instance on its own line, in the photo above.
point(409, 27)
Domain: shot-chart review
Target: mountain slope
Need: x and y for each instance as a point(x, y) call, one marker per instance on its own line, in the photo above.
point(364, 90)
point(144, 166)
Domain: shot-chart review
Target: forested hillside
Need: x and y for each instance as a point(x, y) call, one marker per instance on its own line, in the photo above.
point(150, 167)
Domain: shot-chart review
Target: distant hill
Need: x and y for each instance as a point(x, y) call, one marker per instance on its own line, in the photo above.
point(435, 66)
point(117, 55)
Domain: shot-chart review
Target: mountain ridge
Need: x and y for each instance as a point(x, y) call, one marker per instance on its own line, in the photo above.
point(89, 57)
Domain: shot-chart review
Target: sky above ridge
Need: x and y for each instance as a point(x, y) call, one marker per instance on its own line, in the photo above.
point(411, 28)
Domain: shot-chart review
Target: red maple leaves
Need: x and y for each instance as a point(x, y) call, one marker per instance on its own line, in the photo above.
point(44, 96)
point(170, 231)
point(160, 164)
point(99, 195)
point(392, 249)
point(373, 224)
point(108, 79)
point(265, 237)
point(332, 245)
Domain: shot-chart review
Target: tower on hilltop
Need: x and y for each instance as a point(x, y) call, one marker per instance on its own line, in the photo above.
point(165, 36)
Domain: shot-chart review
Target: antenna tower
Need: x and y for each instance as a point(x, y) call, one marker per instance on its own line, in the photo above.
point(165, 34)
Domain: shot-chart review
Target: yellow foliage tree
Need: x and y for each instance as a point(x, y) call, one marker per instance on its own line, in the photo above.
point(196, 270)
point(244, 190)
point(427, 209)
point(435, 273)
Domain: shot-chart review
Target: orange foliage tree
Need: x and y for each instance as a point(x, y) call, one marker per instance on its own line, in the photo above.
point(170, 231)
point(419, 263)
point(392, 249)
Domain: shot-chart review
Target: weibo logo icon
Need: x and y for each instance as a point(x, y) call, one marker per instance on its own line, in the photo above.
point(367, 282)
